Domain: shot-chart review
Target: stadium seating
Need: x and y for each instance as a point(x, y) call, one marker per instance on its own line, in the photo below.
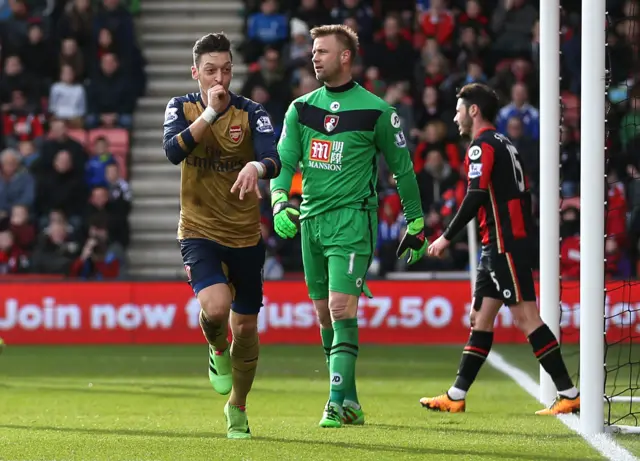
point(75, 48)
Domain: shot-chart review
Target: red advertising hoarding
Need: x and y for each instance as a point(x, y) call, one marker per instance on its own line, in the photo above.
point(401, 312)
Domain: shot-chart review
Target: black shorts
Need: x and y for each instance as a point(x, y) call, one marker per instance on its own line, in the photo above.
point(208, 263)
point(505, 276)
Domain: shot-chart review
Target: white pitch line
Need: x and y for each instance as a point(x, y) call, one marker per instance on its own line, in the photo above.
point(603, 443)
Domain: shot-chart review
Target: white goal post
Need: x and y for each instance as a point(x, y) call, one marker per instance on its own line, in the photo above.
point(592, 207)
point(592, 210)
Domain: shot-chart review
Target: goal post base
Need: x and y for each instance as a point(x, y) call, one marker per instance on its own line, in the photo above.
point(619, 429)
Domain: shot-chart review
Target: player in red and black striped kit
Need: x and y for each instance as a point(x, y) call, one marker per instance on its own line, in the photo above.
point(498, 194)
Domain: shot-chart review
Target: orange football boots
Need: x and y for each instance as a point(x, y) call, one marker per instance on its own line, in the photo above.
point(443, 403)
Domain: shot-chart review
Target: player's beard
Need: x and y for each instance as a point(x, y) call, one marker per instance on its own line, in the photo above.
point(465, 126)
point(329, 73)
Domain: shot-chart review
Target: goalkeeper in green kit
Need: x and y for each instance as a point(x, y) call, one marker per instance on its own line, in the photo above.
point(334, 134)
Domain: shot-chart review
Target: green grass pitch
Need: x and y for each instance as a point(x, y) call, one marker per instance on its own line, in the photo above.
point(155, 403)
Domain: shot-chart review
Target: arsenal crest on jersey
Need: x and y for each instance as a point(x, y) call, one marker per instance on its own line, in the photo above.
point(235, 133)
point(330, 122)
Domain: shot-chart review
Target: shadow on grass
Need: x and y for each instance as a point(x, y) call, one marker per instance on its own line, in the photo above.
point(345, 445)
point(144, 391)
point(451, 428)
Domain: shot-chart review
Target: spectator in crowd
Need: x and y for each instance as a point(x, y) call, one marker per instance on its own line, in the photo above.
point(99, 259)
point(28, 153)
point(105, 45)
point(97, 164)
point(312, 13)
point(269, 27)
point(119, 190)
point(38, 58)
point(392, 53)
point(271, 76)
point(77, 23)
point(569, 162)
point(67, 100)
point(44, 173)
point(361, 12)
point(72, 56)
point(438, 22)
point(62, 189)
point(59, 140)
point(118, 20)
point(473, 17)
point(17, 186)
point(527, 148)
point(5, 10)
point(13, 259)
point(23, 231)
point(435, 177)
point(55, 251)
point(630, 125)
point(111, 101)
point(17, 24)
point(520, 106)
point(570, 243)
point(113, 211)
point(15, 78)
point(390, 227)
point(273, 270)
point(21, 121)
point(298, 51)
point(512, 24)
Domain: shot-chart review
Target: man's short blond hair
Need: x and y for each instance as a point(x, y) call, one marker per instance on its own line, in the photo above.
point(344, 34)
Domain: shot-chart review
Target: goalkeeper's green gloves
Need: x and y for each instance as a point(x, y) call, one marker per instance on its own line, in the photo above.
point(285, 216)
point(413, 242)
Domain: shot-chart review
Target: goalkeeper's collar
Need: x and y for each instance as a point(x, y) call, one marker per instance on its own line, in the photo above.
point(342, 88)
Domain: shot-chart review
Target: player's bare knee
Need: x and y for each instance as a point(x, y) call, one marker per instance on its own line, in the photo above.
point(244, 326)
point(216, 312)
point(526, 317)
point(472, 319)
point(323, 313)
point(342, 306)
point(215, 301)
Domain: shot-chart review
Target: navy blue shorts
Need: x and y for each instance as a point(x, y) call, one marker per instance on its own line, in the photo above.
point(208, 263)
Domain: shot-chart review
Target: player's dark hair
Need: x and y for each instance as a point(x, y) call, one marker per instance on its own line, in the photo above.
point(482, 96)
point(211, 43)
point(344, 34)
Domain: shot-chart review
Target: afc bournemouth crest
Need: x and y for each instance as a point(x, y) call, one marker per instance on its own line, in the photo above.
point(235, 133)
point(330, 122)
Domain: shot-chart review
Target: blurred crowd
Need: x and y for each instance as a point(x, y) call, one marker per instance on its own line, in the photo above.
point(71, 73)
point(416, 55)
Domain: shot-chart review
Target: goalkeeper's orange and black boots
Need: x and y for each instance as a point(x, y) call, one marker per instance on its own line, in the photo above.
point(561, 406)
point(443, 403)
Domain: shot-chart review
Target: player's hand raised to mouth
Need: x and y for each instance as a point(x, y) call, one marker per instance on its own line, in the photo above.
point(217, 98)
point(247, 181)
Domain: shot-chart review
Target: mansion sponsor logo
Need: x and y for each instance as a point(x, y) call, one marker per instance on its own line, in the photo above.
point(326, 155)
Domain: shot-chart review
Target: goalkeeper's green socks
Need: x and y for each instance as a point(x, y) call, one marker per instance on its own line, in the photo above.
point(351, 393)
point(327, 341)
point(344, 352)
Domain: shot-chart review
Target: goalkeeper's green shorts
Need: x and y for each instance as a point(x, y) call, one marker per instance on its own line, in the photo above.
point(337, 248)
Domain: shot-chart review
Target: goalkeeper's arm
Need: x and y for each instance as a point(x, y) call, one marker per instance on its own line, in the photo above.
point(180, 138)
point(390, 140)
point(289, 149)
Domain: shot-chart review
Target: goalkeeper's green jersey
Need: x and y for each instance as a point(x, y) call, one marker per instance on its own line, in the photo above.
point(335, 135)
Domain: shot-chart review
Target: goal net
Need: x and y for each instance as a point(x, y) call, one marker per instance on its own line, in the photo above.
point(620, 238)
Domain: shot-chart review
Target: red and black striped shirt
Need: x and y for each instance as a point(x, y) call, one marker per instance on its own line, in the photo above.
point(500, 190)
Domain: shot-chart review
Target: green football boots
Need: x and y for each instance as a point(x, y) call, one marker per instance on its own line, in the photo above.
point(220, 371)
